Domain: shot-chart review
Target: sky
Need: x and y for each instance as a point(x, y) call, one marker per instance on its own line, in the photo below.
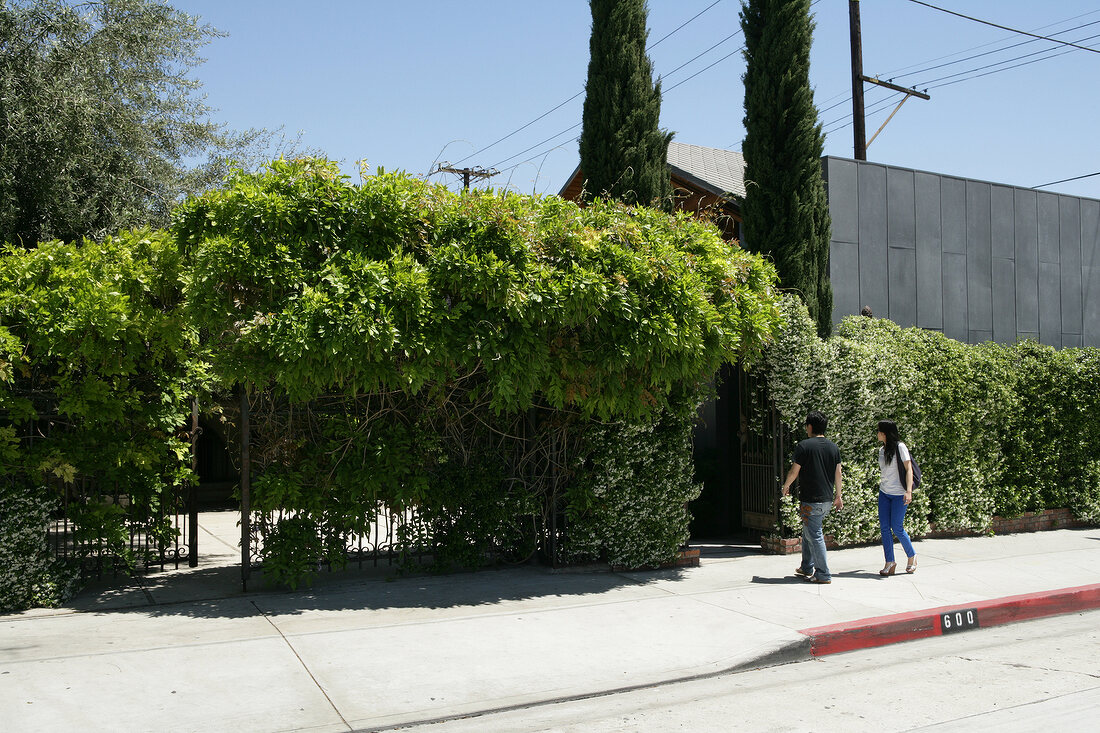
point(499, 83)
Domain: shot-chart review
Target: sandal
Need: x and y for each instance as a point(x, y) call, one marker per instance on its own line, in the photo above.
point(911, 566)
point(889, 569)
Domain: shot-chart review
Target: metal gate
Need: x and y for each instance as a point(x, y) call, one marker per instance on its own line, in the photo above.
point(83, 528)
point(763, 452)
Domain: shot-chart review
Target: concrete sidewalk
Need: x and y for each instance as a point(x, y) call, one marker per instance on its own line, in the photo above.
point(188, 650)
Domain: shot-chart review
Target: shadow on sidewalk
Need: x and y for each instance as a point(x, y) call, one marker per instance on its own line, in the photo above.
point(216, 592)
point(796, 580)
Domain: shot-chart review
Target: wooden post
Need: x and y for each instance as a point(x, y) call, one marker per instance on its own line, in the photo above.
point(859, 129)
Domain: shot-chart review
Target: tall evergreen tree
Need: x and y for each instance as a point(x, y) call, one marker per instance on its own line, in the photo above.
point(623, 150)
point(786, 213)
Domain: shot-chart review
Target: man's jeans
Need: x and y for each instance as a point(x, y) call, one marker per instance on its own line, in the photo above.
point(813, 539)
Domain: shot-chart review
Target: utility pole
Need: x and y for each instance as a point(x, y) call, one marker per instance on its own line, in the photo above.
point(859, 121)
point(467, 173)
point(859, 129)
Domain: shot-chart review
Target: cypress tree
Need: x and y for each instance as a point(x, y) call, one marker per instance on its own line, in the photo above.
point(622, 148)
point(786, 213)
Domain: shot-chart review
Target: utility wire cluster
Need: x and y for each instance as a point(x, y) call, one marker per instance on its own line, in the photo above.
point(970, 66)
point(966, 65)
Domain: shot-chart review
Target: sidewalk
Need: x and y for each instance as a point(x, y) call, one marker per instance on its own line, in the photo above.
point(188, 650)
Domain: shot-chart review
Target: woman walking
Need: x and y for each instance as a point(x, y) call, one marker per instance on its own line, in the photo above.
point(895, 491)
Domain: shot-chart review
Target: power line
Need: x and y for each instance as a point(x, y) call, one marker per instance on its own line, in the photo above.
point(516, 132)
point(654, 44)
point(663, 93)
point(875, 109)
point(728, 38)
point(897, 72)
point(1003, 27)
point(996, 50)
point(846, 96)
point(580, 93)
point(932, 83)
point(700, 71)
point(1067, 180)
point(552, 137)
point(1052, 53)
point(995, 71)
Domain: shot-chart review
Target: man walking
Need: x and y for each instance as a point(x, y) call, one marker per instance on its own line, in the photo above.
point(816, 465)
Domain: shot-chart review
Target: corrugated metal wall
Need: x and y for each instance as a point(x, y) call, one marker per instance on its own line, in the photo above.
point(978, 261)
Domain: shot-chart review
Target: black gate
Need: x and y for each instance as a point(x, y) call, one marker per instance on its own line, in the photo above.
point(763, 453)
point(102, 527)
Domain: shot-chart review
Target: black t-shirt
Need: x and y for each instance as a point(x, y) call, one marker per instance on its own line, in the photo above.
point(818, 458)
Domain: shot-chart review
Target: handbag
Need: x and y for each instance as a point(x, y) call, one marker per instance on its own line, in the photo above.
point(901, 470)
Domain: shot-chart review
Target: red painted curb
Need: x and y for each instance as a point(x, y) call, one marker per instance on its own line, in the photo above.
point(881, 630)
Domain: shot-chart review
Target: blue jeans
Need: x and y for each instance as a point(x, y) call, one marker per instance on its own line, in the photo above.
point(891, 518)
point(813, 539)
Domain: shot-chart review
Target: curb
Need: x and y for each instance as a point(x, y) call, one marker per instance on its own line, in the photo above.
point(879, 631)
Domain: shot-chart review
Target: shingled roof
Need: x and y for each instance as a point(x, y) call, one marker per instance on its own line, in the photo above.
point(721, 172)
point(717, 172)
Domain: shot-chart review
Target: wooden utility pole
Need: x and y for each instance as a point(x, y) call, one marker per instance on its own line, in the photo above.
point(859, 129)
point(467, 173)
point(859, 117)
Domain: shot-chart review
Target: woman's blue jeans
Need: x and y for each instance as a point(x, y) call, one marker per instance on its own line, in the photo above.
point(891, 519)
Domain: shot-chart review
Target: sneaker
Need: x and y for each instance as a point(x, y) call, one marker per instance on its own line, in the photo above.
point(819, 580)
point(803, 574)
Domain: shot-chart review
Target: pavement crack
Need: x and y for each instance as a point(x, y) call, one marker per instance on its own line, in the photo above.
point(957, 722)
point(1036, 667)
point(304, 665)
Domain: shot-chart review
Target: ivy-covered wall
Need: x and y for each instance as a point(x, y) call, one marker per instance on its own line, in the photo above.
point(997, 429)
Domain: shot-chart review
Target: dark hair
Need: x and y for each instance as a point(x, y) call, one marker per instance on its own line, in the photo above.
point(867, 311)
point(889, 428)
point(817, 422)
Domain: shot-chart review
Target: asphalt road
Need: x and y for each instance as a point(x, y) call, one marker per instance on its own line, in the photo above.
point(1028, 676)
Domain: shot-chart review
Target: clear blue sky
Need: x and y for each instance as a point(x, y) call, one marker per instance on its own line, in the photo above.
point(403, 85)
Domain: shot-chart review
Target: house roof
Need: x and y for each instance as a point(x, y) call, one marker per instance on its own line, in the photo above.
point(721, 172)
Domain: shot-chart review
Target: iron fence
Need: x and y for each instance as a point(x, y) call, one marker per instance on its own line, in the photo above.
point(764, 440)
point(105, 529)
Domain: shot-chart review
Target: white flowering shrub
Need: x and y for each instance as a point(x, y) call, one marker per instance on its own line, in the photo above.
point(29, 577)
point(1085, 494)
point(996, 429)
point(628, 506)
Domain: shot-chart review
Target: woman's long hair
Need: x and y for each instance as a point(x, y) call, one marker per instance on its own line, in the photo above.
point(889, 428)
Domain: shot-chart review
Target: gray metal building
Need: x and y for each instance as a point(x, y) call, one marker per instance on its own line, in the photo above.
point(978, 261)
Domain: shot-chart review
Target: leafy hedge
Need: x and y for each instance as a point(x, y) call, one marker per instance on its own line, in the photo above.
point(97, 366)
point(28, 575)
point(315, 285)
point(453, 354)
point(997, 429)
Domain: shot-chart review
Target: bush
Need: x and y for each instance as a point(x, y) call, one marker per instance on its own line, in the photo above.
point(998, 430)
point(628, 504)
point(97, 366)
point(414, 349)
point(29, 576)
